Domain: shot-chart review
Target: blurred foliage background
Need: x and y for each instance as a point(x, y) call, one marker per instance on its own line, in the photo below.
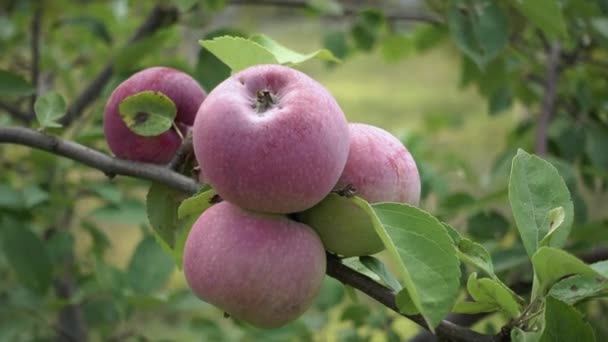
point(463, 83)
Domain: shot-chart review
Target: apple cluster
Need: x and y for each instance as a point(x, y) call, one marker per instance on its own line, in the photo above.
point(273, 143)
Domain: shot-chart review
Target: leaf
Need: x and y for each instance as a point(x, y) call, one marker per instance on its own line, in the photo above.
point(12, 84)
point(556, 218)
point(518, 335)
point(579, 287)
point(552, 264)
point(336, 42)
point(129, 56)
point(366, 30)
point(487, 225)
point(238, 53)
point(149, 268)
point(34, 195)
point(536, 188)
point(564, 323)
point(601, 267)
point(336, 217)
point(471, 252)
point(284, 55)
point(425, 256)
point(27, 255)
point(596, 140)
point(479, 28)
point(148, 113)
point(109, 192)
point(49, 108)
point(326, 7)
point(473, 307)
point(544, 14)
point(196, 205)
point(209, 70)
point(357, 313)
point(376, 266)
point(161, 208)
point(491, 291)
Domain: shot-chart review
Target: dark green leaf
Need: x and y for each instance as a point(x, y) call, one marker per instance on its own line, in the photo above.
point(545, 14)
point(129, 212)
point(357, 313)
point(27, 255)
point(479, 28)
point(149, 268)
point(367, 28)
point(331, 294)
point(535, 189)
point(564, 324)
point(161, 208)
point(148, 113)
point(595, 147)
point(34, 195)
point(378, 267)
point(336, 42)
point(487, 225)
point(12, 84)
point(49, 108)
point(579, 287)
point(210, 70)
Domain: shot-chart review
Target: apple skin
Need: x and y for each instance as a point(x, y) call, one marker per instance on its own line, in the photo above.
point(182, 89)
point(264, 269)
point(281, 159)
point(379, 167)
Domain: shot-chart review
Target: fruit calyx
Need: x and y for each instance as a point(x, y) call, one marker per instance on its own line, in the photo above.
point(264, 101)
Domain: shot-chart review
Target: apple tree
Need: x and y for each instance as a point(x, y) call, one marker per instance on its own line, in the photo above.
point(171, 171)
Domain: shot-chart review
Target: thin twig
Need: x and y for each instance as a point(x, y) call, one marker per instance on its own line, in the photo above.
point(549, 98)
point(346, 12)
point(95, 159)
point(35, 51)
point(181, 154)
point(160, 16)
point(166, 176)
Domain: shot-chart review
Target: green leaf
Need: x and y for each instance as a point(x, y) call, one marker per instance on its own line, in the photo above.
point(209, 70)
point(49, 108)
point(474, 307)
point(545, 14)
point(579, 287)
point(161, 208)
point(34, 195)
point(556, 218)
point(564, 323)
point(148, 113)
point(367, 28)
point(491, 291)
point(518, 335)
point(336, 217)
point(535, 189)
point(356, 313)
point(238, 53)
point(479, 28)
point(397, 46)
point(94, 25)
point(284, 55)
point(601, 267)
point(552, 264)
point(326, 7)
point(487, 225)
point(149, 268)
point(471, 252)
point(27, 255)
point(595, 144)
point(196, 205)
point(12, 84)
point(378, 267)
point(425, 256)
point(336, 42)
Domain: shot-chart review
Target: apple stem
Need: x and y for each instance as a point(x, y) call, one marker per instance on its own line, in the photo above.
point(264, 101)
point(178, 131)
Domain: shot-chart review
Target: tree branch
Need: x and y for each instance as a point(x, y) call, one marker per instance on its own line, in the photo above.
point(160, 16)
point(549, 98)
point(95, 159)
point(346, 12)
point(166, 176)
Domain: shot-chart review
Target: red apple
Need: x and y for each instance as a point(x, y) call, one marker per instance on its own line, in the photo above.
point(264, 269)
point(182, 89)
point(379, 167)
point(271, 139)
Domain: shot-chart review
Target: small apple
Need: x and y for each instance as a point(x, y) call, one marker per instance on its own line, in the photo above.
point(264, 269)
point(271, 139)
point(183, 90)
point(379, 169)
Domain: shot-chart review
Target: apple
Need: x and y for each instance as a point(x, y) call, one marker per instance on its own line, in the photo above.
point(379, 169)
point(271, 139)
point(263, 269)
point(183, 90)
